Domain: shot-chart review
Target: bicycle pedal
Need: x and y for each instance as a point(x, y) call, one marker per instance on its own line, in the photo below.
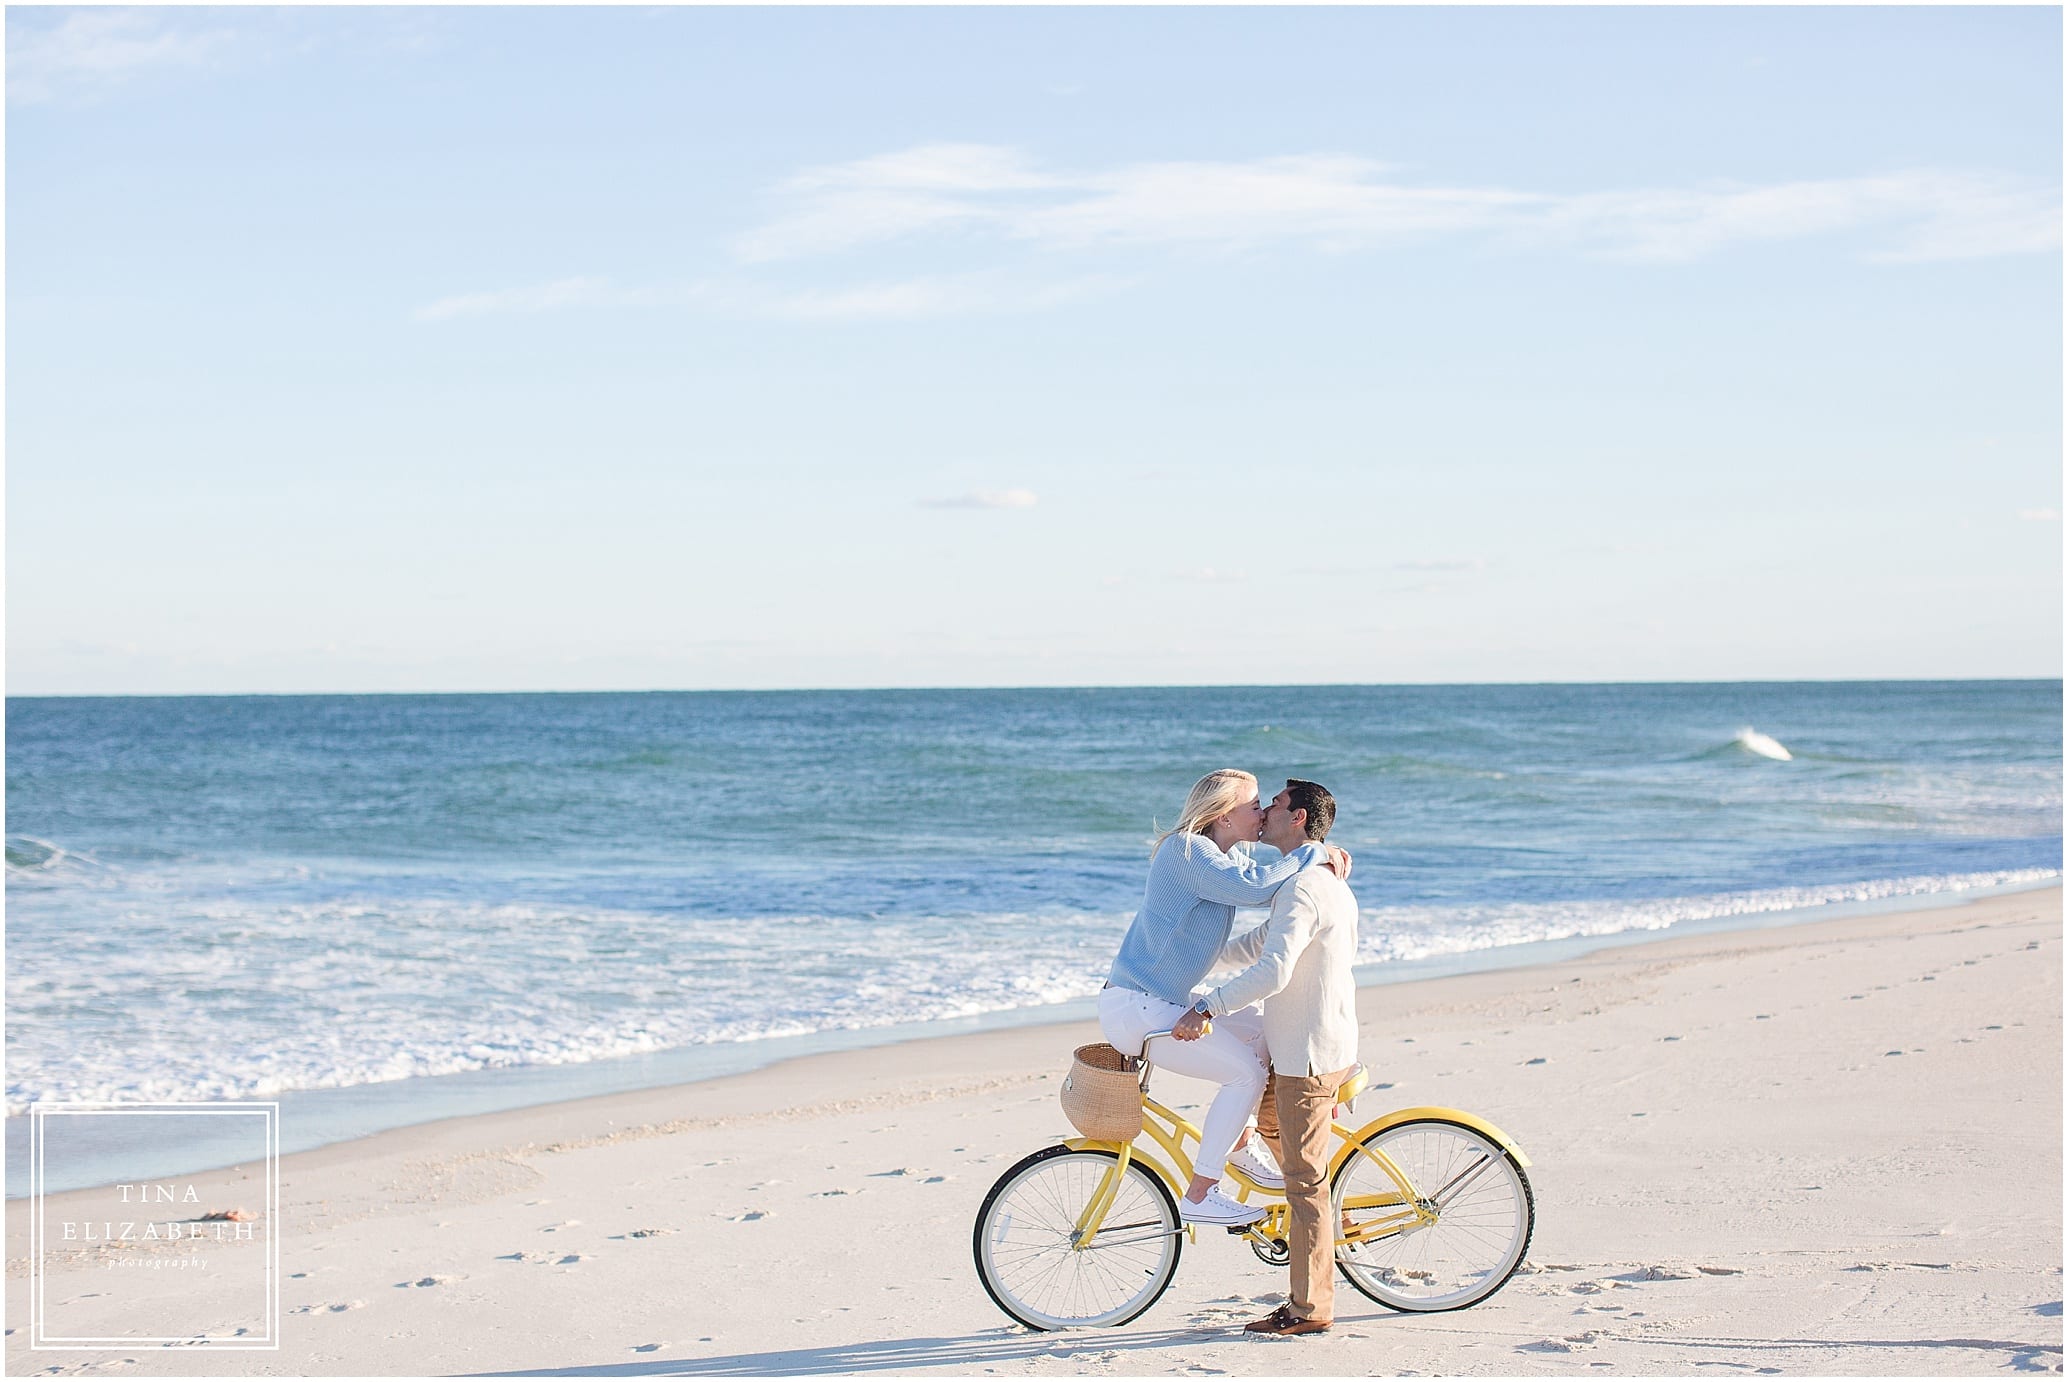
point(1240, 1230)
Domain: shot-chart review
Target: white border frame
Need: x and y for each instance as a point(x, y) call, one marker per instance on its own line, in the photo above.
point(41, 1341)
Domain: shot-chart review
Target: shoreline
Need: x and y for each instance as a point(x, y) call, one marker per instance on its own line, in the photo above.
point(341, 1117)
point(1830, 1147)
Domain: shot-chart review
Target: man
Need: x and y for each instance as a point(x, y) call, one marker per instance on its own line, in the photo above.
point(1300, 971)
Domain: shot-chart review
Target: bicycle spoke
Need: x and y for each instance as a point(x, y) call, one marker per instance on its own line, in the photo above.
point(1476, 1229)
point(1033, 1263)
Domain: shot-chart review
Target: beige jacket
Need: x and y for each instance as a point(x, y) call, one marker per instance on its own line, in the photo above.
point(1299, 969)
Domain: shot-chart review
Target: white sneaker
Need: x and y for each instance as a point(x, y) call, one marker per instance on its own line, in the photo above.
point(1253, 1159)
point(1217, 1208)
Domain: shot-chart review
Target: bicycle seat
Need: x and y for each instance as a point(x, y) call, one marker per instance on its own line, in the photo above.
point(1354, 1086)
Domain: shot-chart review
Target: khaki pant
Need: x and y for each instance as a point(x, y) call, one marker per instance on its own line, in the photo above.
point(1294, 1119)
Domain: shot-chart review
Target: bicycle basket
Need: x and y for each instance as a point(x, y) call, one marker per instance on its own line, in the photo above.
point(1102, 1094)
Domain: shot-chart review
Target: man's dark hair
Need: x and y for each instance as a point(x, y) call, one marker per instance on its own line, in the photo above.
point(1313, 798)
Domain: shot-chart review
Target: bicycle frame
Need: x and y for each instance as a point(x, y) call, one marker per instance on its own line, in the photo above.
point(1411, 1207)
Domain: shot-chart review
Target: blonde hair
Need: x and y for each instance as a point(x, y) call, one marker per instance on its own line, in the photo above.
point(1211, 798)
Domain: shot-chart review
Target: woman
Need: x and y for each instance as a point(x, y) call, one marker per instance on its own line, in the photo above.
point(1195, 884)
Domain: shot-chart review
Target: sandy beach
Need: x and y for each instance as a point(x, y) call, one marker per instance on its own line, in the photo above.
point(1832, 1148)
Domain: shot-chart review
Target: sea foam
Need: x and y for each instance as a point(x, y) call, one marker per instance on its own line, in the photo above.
point(1752, 741)
point(331, 996)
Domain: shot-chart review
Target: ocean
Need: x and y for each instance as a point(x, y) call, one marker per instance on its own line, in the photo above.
point(383, 909)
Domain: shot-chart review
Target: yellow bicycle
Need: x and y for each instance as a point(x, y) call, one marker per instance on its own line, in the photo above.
point(1434, 1207)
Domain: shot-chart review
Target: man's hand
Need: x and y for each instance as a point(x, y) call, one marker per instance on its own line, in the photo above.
point(1192, 1026)
point(1338, 861)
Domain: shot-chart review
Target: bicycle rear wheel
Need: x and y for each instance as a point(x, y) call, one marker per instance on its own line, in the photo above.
point(1483, 1213)
point(1026, 1251)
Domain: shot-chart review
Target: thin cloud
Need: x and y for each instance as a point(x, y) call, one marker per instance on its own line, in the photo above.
point(1932, 215)
point(547, 297)
point(942, 295)
point(1454, 564)
point(94, 49)
point(1341, 203)
point(986, 499)
point(92, 52)
point(896, 300)
point(1333, 203)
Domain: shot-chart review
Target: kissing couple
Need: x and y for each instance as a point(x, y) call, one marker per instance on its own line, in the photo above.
point(1280, 1038)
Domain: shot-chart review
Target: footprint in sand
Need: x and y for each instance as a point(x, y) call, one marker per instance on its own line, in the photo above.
point(829, 1194)
point(649, 1348)
point(332, 1309)
point(895, 1171)
point(443, 1280)
point(936, 1180)
point(749, 1217)
point(1228, 1309)
point(574, 1259)
point(1660, 1274)
point(522, 1255)
point(1571, 1343)
point(648, 1232)
point(1720, 1271)
point(1535, 1060)
point(555, 1228)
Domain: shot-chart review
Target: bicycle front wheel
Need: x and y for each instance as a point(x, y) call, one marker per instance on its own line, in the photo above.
point(1027, 1244)
point(1447, 1231)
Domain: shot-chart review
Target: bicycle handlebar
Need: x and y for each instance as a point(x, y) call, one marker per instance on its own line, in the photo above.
point(1143, 1054)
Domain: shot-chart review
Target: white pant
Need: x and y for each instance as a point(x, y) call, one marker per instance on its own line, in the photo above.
point(1232, 1055)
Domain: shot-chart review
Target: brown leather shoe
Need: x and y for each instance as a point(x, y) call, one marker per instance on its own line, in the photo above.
point(1284, 1321)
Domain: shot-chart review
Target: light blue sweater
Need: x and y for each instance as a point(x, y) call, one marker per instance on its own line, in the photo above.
point(1189, 909)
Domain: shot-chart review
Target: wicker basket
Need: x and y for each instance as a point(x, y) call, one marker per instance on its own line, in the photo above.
point(1102, 1094)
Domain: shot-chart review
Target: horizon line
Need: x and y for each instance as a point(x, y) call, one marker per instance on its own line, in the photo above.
point(1084, 686)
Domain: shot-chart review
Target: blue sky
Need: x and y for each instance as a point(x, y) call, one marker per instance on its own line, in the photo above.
point(478, 349)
